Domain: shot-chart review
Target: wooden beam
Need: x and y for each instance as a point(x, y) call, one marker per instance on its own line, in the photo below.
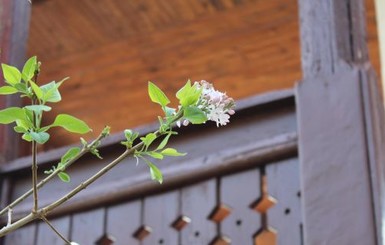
point(338, 127)
point(14, 25)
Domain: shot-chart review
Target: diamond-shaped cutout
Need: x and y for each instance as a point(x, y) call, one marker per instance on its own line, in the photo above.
point(106, 240)
point(263, 203)
point(142, 232)
point(221, 240)
point(181, 222)
point(219, 213)
point(266, 237)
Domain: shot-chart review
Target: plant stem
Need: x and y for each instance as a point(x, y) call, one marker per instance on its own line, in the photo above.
point(34, 177)
point(53, 174)
point(55, 230)
point(49, 208)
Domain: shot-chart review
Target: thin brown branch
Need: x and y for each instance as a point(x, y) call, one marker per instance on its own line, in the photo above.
point(55, 230)
point(52, 175)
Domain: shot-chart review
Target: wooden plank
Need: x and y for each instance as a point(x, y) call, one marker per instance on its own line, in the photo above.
point(159, 213)
point(197, 202)
point(45, 235)
point(14, 26)
point(24, 235)
point(375, 134)
point(283, 183)
point(239, 191)
point(334, 166)
point(122, 221)
point(87, 227)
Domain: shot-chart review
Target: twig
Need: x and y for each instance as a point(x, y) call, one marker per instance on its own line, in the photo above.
point(34, 176)
point(9, 222)
point(52, 175)
point(55, 230)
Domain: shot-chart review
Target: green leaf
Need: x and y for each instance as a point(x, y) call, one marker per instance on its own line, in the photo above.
point(157, 95)
point(172, 152)
point(148, 139)
point(188, 95)
point(11, 74)
point(37, 90)
point(29, 68)
point(156, 174)
point(51, 92)
point(64, 177)
point(194, 115)
point(11, 114)
point(154, 154)
point(37, 108)
point(164, 142)
point(21, 87)
point(71, 124)
point(19, 129)
point(8, 90)
point(70, 154)
point(39, 137)
point(27, 137)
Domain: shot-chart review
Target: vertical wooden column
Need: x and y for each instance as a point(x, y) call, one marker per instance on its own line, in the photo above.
point(14, 26)
point(339, 125)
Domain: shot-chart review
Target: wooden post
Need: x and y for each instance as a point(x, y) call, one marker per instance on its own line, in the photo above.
point(340, 125)
point(14, 25)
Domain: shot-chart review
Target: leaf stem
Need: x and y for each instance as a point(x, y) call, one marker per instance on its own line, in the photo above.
point(34, 176)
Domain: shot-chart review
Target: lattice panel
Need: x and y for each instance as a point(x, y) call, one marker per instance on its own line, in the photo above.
point(257, 207)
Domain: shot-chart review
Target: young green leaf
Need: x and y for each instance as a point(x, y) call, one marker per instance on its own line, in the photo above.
point(39, 137)
point(27, 137)
point(7, 90)
point(19, 129)
point(11, 74)
point(21, 87)
point(51, 92)
point(156, 174)
point(29, 68)
point(11, 114)
point(194, 115)
point(71, 124)
point(157, 95)
point(70, 154)
point(64, 177)
point(168, 111)
point(188, 95)
point(164, 142)
point(154, 154)
point(172, 152)
point(37, 90)
point(148, 139)
point(37, 108)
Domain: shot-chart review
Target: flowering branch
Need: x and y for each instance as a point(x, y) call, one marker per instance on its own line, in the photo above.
point(199, 103)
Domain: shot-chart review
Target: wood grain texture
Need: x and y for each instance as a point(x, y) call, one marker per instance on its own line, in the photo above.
point(122, 222)
point(238, 191)
point(197, 201)
point(110, 51)
point(283, 183)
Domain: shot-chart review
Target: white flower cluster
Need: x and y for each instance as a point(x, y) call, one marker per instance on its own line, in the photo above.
point(217, 105)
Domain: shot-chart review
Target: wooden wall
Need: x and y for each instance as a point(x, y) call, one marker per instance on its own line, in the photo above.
point(110, 49)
